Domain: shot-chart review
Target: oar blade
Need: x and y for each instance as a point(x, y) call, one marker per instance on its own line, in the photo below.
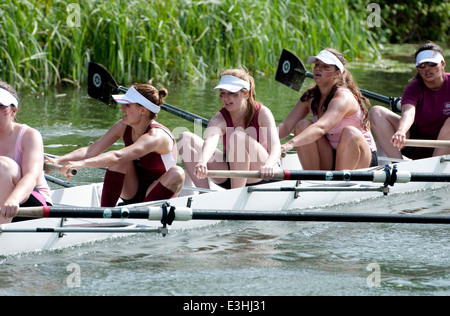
point(291, 71)
point(101, 84)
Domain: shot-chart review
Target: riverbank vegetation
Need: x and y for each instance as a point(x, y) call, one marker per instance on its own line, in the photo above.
point(47, 43)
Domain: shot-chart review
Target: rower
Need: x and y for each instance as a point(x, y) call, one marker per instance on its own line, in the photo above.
point(338, 137)
point(145, 169)
point(248, 131)
point(425, 109)
point(21, 160)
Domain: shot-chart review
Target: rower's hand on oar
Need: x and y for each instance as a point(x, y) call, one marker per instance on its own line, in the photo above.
point(67, 168)
point(398, 140)
point(267, 172)
point(9, 209)
point(201, 171)
point(285, 148)
point(49, 160)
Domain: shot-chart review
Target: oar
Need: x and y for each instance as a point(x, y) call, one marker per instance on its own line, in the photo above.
point(185, 214)
point(51, 167)
point(427, 143)
point(291, 72)
point(373, 176)
point(59, 182)
point(102, 85)
point(150, 212)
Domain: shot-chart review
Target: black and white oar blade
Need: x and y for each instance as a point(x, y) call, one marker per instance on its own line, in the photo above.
point(101, 84)
point(291, 71)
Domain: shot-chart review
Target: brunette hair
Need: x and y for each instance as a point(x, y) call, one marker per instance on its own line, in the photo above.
point(251, 101)
point(345, 80)
point(427, 46)
point(6, 86)
point(154, 95)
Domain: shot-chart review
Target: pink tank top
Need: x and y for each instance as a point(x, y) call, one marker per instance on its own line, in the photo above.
point(42, 185)
point(354, 120)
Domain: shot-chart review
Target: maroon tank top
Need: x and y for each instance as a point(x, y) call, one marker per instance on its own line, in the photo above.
point(253, 130)
point(153, 165)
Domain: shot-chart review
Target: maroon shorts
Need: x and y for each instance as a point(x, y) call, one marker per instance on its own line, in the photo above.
point(146, 179)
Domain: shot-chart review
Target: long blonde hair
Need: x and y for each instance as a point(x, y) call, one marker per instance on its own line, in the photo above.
point(251, 101)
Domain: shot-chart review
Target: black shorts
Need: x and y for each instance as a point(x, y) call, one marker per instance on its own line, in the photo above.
point(35, 199)
point(373, 161)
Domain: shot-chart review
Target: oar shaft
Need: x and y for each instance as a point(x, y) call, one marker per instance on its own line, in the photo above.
point(427, 143)
point(395, 103)
point(176, 111)
point(379, 176)
point(182, 213)
point(311, 175)
point(318, 217)
point(185, 114)
point(150, 212)
point(81, 230)
point(279, 175)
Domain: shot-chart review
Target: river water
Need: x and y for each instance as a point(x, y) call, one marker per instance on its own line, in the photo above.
point(234, 258)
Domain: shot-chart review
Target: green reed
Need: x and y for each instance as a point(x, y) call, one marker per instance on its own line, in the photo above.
point(167, 40)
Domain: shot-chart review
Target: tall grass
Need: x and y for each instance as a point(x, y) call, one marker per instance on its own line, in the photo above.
point(167, 40)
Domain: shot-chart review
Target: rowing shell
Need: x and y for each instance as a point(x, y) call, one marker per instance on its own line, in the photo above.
point(277, 196)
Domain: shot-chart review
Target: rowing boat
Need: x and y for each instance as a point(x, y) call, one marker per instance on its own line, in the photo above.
point(286, 195)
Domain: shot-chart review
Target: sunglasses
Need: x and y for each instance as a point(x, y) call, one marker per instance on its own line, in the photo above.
point(422, 65)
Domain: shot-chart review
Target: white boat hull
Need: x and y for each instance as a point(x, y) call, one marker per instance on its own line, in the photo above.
point(235, 199)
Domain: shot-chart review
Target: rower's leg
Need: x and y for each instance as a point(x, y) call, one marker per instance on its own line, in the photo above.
point(353, 151)
point(10, 174)
point(167, 186)
point(240, 155)
point(190, 149)
point(317, 155)
point(384, 124)
point(112, 187)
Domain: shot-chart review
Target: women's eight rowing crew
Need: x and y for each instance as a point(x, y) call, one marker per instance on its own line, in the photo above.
point(338, 137)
